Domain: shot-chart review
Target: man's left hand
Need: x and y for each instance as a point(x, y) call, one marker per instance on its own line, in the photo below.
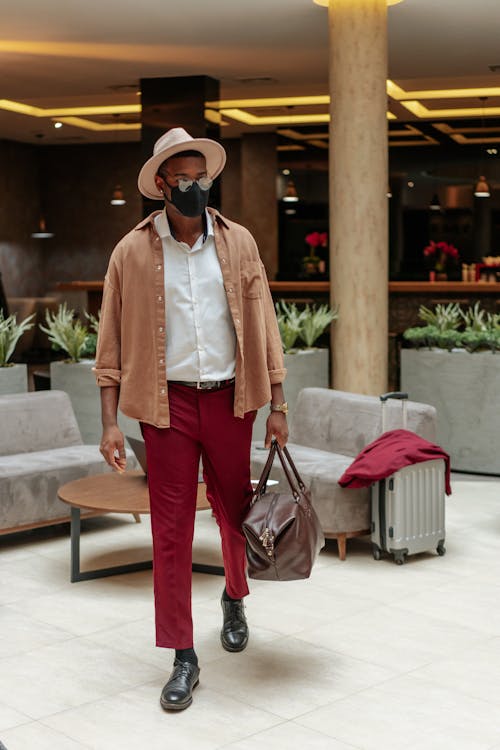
point(276, 426)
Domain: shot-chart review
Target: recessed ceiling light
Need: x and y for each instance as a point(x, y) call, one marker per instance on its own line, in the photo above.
point(410, 183)
point(285, 171)
point(58, 125)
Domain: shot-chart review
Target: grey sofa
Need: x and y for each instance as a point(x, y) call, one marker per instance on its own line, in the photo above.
point(329, 428)
point(40, 449)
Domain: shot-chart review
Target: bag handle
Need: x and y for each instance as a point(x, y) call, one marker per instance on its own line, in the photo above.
point(261, 486)
point(282, 454)
point(301, 484)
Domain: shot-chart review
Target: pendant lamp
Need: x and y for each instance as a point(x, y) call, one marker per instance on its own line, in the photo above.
point(41, 233)
point(291, 195)
point(118, 199)
point(435, 204)
point(482, 189)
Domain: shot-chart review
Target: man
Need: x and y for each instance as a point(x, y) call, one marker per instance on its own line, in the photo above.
point(189, 345)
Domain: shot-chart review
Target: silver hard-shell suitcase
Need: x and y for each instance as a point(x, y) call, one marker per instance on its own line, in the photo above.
point(408, 513)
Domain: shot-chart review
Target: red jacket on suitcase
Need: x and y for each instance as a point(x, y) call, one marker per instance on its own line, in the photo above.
point(390, 452)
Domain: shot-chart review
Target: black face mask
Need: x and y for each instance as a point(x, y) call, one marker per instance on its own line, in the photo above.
point(192, 202)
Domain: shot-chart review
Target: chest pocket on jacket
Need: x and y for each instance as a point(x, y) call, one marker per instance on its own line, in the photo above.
point(251, 280)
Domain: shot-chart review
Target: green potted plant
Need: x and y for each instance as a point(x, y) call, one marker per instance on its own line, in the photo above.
point(66, 332)
point(452, 363)
point(75, 374)
point(307, 365)
point(13, 377)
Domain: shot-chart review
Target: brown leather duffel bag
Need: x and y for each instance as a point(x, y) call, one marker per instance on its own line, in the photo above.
point(282, 530)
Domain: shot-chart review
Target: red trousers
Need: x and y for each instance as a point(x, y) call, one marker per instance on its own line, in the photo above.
point(201, 424)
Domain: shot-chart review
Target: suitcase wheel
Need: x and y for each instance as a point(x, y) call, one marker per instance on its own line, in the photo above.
point(441, 549)
point(376, 552)
point(400, 558)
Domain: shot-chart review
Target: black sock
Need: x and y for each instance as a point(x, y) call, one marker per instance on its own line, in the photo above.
point(186, 654)
point(228, 598)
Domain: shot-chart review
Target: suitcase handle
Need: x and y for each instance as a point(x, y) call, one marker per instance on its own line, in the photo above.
point(393, 394)
point(401, 396)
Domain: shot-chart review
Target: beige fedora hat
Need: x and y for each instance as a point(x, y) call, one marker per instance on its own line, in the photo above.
point(170, 143)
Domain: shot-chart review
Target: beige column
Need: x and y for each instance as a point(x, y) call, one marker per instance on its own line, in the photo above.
point(358, 186)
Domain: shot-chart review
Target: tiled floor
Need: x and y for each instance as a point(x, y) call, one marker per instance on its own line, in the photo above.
point(363, 655)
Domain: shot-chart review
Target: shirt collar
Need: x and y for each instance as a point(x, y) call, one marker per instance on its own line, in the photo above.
point(163, 227)
point(212, 212)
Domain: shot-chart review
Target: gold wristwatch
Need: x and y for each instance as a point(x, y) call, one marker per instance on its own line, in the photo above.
point(283, 408)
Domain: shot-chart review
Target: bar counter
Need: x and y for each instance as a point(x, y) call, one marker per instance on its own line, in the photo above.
point(405, 297)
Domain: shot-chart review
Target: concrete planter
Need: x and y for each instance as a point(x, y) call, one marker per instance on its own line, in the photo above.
point(306, 368)
point(13, 379)
point(78, 381)
point(464, 388)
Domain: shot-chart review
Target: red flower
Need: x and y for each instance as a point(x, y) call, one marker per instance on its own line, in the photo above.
point(441, 253)
point(313, 239)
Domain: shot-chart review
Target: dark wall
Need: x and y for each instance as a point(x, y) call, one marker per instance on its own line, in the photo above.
point(21, 259)
point(72, 187)
point(77, 185)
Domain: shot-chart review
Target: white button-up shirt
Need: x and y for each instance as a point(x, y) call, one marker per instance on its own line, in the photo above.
point(200, 336)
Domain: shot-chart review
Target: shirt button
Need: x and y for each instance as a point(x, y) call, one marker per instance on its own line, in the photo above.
point(162, 391)
point(236, 320)
point(230, 289)
point(158, 267)
point(223, 260)
point(162, 361)
point(160, 329)
point(160, 298)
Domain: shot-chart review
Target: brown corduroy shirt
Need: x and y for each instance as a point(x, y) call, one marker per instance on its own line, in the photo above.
point(131, 341)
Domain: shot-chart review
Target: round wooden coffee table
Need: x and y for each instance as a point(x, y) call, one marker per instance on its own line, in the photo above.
point(115, 493)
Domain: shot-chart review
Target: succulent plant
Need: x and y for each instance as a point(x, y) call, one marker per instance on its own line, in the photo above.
point(10, 333)
point(481, 329)
point(66, 332)
point(305, 325)
point(444, 317)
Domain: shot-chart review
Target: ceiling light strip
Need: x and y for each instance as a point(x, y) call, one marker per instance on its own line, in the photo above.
point(282, 101)
point(79, 122)
point(421, 111)
point(29, 109)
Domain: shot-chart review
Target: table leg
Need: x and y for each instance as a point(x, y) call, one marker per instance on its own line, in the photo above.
point(87, 575)
point(75, 544)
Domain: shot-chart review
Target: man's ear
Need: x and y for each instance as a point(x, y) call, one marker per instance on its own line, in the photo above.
point(159, 183)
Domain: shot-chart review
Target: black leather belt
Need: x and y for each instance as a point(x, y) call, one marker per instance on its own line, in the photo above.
point(204, 385)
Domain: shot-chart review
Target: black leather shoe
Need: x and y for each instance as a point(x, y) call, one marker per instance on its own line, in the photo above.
point(234, 633)
point(178, 692)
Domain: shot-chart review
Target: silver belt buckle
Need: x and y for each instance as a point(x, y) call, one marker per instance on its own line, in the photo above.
point(204, 385)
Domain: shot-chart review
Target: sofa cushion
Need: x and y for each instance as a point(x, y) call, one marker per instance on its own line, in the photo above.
point(339, 510)
point(345, 423)
point(29, 482)
point(36, 422)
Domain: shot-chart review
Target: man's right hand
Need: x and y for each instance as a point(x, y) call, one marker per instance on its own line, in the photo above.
point(113, 448)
